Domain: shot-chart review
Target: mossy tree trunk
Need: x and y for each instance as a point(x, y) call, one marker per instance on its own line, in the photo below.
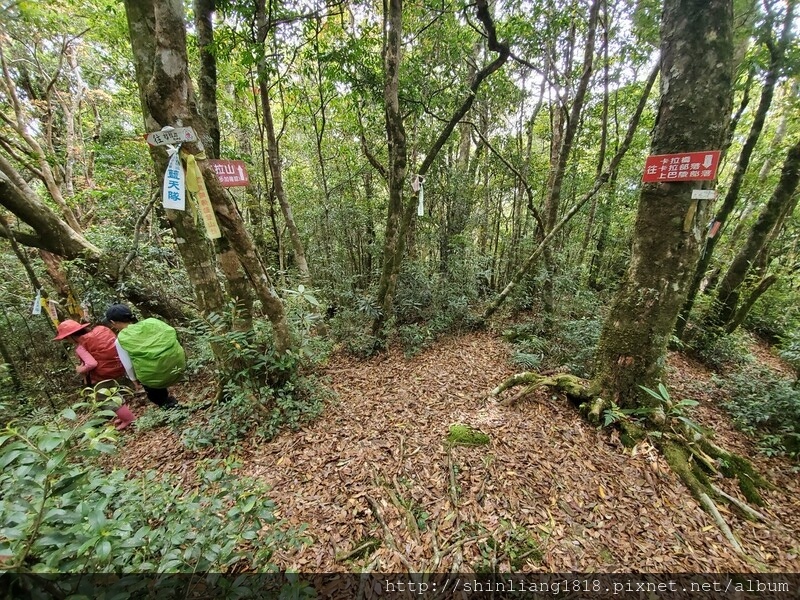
point(696, 79)
point(696, 94)
point(158, 39)
point(165, 101)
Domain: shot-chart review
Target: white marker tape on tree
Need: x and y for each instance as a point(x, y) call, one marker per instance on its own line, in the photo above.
point(173, 194)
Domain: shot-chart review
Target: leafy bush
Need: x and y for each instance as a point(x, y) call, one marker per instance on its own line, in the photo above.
point(263, 414)
point(790, 350)
point(61, 512)
point(766, 406)
point(570, 344)
point(253, 401)
point(718, 351)
point(428, 306)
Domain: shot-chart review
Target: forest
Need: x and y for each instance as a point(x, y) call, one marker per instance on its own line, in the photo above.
point(492, 287)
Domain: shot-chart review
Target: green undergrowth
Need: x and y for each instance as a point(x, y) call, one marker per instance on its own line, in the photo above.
point(63, 510)
point(766, 406)
point(262, 393)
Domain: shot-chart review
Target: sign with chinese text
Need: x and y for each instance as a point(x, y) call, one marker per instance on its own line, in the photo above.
point(174, 136)
point(173, 194)
point(688, 166)
point(231, 173)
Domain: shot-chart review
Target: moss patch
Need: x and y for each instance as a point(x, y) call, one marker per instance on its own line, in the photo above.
point(464, 435)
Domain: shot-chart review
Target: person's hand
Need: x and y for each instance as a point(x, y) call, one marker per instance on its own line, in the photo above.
point(79, 369)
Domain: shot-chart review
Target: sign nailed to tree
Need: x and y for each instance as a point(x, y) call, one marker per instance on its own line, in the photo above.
point(231, 173)
point(688, 166)
point(174, 136)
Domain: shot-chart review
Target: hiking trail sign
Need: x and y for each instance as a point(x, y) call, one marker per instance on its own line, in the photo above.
point(686, 166)
point(174, 136)
point(231, 173)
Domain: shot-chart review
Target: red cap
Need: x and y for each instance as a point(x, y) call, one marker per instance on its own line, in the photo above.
point(68, 327)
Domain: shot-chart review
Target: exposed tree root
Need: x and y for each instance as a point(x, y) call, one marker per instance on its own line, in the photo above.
point(691, 455)
point(565, 383)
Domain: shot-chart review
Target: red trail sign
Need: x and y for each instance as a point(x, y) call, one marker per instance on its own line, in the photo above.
point(231, 173)
point(687, 166)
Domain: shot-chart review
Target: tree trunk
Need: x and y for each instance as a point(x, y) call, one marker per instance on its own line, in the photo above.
point(273, 151)
point(776, 53)
point(601, 153)
point(51, 232)
point(729, 287)
point(158, 37)
point(400, 217)
point(696, 97)
point(159, 44)
point(207, 81)
point(398, 158)
point(744, 307)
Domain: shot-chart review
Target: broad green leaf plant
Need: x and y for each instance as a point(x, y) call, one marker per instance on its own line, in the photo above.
point(62, 512)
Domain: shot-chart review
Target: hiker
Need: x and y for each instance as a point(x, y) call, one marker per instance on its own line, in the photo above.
point(150, 352)
point(99, 361)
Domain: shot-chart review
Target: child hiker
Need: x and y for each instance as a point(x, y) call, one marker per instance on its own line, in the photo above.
point(100, 364)
point(150, 352)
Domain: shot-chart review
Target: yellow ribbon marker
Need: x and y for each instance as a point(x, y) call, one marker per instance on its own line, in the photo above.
point(52, 311)
point(196, 185)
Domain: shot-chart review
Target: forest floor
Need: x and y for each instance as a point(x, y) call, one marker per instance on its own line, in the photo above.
point(380, 489)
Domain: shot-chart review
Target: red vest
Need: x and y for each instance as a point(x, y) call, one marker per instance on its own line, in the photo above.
point(100, 343)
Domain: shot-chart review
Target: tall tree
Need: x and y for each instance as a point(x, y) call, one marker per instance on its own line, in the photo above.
point(207, 81)
point(264, 26)
point(696, 98)
point(401, 212)
point(158, 39)
point(777, 55)
point(728, 291)
point(563, 140)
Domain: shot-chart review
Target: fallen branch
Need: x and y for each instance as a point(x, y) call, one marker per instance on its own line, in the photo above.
point(453, 487)
point(389, 538)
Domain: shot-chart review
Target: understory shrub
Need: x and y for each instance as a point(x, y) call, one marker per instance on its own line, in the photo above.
point(766, 406)
point(790, 351)
point(569, 345)
point(430, 305)
point(716, 350)
point(252, 402)
point(427, 305)
point(61, 511)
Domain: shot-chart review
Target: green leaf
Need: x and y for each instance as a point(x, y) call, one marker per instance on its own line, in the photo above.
point(69, 414)
point(249, 504)
point(68, 483)
point(103, 550)
point(9, 457)
point(51, 441)
point(56, 460)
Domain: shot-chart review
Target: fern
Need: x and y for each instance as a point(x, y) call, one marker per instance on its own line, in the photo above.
point(527, 360)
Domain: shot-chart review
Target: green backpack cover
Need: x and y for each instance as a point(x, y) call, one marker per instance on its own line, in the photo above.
point(157, 357)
